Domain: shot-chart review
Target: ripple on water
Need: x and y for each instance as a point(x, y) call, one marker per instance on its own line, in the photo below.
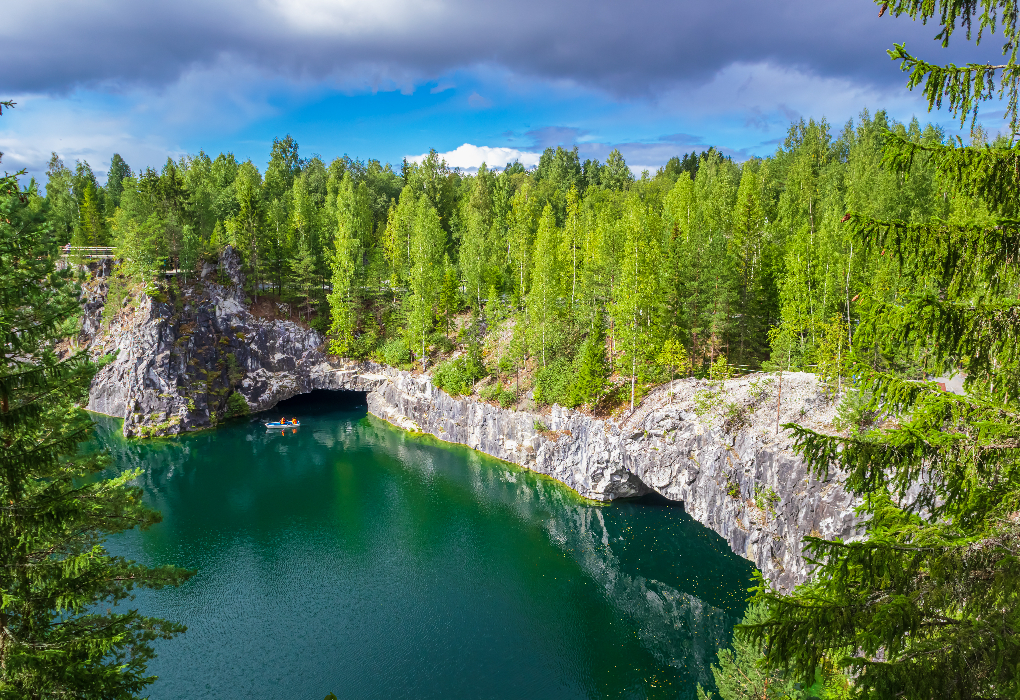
point(350, 557)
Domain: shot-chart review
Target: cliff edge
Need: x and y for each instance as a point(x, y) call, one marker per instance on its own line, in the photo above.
point(184, 363)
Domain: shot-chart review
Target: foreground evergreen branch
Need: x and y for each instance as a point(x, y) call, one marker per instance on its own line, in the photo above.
point(56, 578)
point(926, 603)
point(962, 87)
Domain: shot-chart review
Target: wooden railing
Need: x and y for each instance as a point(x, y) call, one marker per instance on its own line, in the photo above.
point(87, 252)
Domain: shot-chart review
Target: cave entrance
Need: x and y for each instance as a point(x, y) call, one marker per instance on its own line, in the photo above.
point(654, 499)
point(319, 401)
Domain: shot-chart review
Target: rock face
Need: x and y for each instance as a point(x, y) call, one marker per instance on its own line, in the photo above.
point(713, 446)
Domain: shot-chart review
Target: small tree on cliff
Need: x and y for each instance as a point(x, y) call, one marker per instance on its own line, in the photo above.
point(927, 604)
point(55, 575)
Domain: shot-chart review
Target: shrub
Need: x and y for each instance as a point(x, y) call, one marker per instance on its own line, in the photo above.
point(236, 405)
point(507, 398)
point(441, 343)
point(320, 323)
point(458, 376)
point(117, 292)
point(766, 499)
point(365, 344)
point(735, 416)
point(852, 413)
point(553, 383)
point(234, 371)
point(395, 353)
point(719, 369)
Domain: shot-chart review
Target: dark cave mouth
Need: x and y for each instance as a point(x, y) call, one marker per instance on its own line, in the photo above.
point(320, 401)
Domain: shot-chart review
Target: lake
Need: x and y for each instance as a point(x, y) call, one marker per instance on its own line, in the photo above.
point(351, 557)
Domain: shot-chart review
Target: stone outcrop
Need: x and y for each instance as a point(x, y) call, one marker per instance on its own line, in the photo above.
point(713, 446)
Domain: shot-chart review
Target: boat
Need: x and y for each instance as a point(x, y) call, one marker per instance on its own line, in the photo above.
point(277, 426)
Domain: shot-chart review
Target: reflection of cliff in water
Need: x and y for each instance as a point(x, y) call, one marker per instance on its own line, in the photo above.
point(676, 582)
point(680, 629)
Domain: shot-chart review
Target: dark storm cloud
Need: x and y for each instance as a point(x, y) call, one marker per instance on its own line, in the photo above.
point(628, 47)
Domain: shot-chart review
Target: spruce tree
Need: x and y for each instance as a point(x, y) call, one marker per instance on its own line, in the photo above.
point(591, 378)
point(56, 578)
point(926, 604)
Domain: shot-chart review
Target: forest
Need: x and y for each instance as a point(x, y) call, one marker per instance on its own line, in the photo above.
point(578, 280)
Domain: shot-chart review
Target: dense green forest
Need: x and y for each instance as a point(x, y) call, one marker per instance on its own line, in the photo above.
point(571, 271)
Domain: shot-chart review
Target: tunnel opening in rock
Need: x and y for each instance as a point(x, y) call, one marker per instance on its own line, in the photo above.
point(320, 401)
point(655, 499)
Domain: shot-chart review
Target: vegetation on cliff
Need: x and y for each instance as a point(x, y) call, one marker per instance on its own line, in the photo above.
point(748, 264)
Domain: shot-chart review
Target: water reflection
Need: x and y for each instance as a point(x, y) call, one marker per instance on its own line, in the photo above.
point(351, 557)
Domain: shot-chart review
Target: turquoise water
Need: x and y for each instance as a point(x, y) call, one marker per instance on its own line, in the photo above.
point(353, 558)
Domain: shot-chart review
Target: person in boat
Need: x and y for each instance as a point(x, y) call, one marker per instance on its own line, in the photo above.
point(293, 421)
point(282, 421)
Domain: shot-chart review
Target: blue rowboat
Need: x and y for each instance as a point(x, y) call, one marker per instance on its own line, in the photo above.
point(271, 426)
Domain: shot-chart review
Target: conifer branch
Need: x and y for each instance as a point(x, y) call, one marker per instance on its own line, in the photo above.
point(963, 88)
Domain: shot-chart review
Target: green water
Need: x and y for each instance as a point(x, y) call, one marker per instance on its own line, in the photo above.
point(353, 558)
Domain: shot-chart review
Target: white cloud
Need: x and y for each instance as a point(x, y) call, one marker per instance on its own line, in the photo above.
point(470, 157)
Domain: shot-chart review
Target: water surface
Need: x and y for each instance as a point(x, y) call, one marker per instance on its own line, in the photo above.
point(351, 557)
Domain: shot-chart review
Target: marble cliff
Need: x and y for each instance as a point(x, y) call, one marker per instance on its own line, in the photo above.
point(183, 364)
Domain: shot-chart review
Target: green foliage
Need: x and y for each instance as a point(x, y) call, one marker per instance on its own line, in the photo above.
point(353, 224)
point(591, 371)
point(732, 488)
point(58, 584)
point(741, 674)
point(925, 605)
point(553, 383)
point(707, 400)
point(118, 289)
point(735, 416)
point(833, 359)
point(766, 499)
point(236, 405)
point(855, 413)
point(720, 369)
point(674, 357)
point(500, 394)
point(458, 376)
point(395, 353)
point(235, 373)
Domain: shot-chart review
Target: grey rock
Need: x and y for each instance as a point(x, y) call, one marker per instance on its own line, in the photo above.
point(177, 362)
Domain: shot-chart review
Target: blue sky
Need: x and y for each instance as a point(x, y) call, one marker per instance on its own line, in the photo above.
point(476, 81)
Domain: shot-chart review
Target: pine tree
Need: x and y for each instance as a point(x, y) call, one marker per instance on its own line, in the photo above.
point(56, 578)
point(635, 298)
point(521, 232)
point(674, 356)
point(246, 227)
point(89, 229)
point(927, 604)
point(449, 297)
point(302, 270)
point(474, 248)
point(428, 243)
point(740, 673)
point(353, 222)
point(115, 178)
point(543, 299)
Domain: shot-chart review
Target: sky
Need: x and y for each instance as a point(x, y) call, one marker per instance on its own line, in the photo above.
point(491, 81)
